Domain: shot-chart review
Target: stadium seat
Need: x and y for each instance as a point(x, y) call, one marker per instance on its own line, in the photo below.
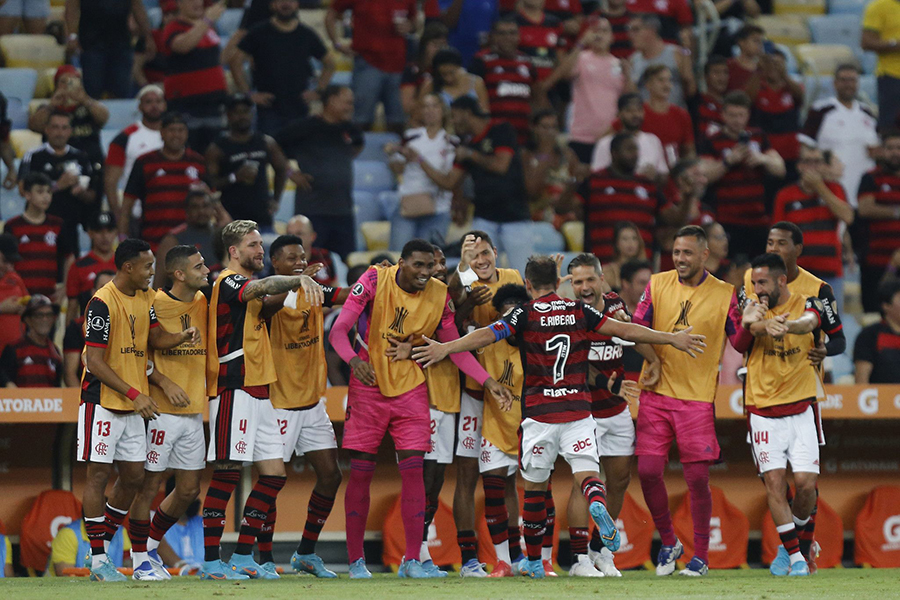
point(546, 239)
point(24, 140)
point(823, 59)
point(154, 15)
point(285, 208)
point(389, 202)
point(829, 534)
point(868, 89)
point(32, 51)
point(45, 86)
point(817, 87)
point(877, 529)
point(728, 526)
point(12, 204)
point(364, 257)
point(573, 231)
point(789, 30)
point(52, 510)
point(799, 7)
point(372, 176)
point(374, 146)
point(365, 209)
point(376, 234)
point(827, 29)
point(792, 67)
point(122, 113)
point(229, 22)
point(17, 113)
point(846, 7)
point(868, 61)
point(18, 83)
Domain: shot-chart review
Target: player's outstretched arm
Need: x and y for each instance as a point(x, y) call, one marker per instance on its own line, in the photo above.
point(97, 366)
point(434, 352)
point(804, 324)
point(279, 284)
point(160, 339)
point(684, 340)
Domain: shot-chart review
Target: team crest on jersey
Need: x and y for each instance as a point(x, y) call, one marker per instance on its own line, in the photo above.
point(523, 71)
point(400, 314)
point(50, 238)
point(451, 306)
point(192, 172)
point(641, 193)
point(131, 320)
point(185, 322)
point(487, 147)
point(542, 307)
point(357, 289)
point(683, 316)
point(507, 377)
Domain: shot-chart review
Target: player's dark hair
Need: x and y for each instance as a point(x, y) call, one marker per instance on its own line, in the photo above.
point(128, 250)
point(632, 268)
point(105, 273)
point(585, 259)
point(792, 228)
point(737, 98)
point(34, 178)
point(714, 61)
point(771, 261)
point(436, 248)
point(281, 241)
point(626, 99)
point(172, 118)
point(541, 272)
point(416, 245)
point(692, 231)
point(330, 92)
point(177, 256)
point(480, 234)
point(887, 290)
point(509, 293)
point(355, 272)
point(616, 144)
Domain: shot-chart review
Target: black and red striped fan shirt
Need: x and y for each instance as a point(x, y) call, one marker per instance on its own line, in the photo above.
point(41, 264)
point(606, 357)
point(706, 113)
point(508, 82)
point(27, 364)
point(540, 40)
point(777, 113)
point(883, 233)
point(821, 244)
point(611, 199)
point(740, 195)
point(193, 79)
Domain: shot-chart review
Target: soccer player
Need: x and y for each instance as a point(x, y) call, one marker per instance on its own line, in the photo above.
point(680, 406)
point(609, 407)
point(386, 395)
point(554, 337)
point(175, 441)
point(297, 333)
point(243, 425)
point(120, 325)
point(481, 422)
point(781, 388)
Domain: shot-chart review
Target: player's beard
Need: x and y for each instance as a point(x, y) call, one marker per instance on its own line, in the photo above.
point(249, 263)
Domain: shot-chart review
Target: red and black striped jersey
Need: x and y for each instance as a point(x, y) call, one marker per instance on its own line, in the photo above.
point(740, 195)
point(162, 184)
point(777, 113)
point(612, 199)
point(41, 264)
point(540, 41)
point(884, 234)
point(606, 358)
point(82, 273)
point(194, 78)
point(673, 15)
point(231, 314)
point(821, 244)
point(508, 82)
point(554, 336)
point(706, 112)
point(27, 364)
point(561, 9)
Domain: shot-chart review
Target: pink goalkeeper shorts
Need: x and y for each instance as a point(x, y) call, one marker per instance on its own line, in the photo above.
point(692, 425)
point(370, 415)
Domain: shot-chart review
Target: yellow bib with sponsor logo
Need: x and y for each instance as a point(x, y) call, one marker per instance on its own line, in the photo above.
point(299, 353)
point(806, 284)
point(502, 428)
point(182, 363)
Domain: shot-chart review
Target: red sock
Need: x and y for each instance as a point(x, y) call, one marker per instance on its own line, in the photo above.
point(788, 535)
point(495, 512)
point(650, 471)
point(697, 476)
point(316, 514)
point(96, 532)
point(550, 506)
point(578, 539)
point(356, 505)
point(594, 490)
point(266, 533)
point(112, 519)
point(161, 524)
point(217, 496)
point(515, 541)
point(138, 532)
point(256, 510)
point(412, 503)
point(467, 545)
point(534, 515)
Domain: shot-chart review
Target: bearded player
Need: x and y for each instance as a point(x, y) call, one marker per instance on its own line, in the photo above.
point(554, 336)
point(404, 302)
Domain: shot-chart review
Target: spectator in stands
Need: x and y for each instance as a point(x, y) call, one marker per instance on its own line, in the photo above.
point(99, 33)
point(567, 12)
point(744, 67)
point(42, 262)
point(379, 46)
point(876, 352)
point(706, 107)
point(281, 49)
point(618, 193)
point(70, 171)
point(684, 207)
point(449, 80)
point(81, 279)
point(424, 208)
point(878, 193)
point(552, 171)
point(670, 123)
point(675, 19)
point(635, 277)
point(718, 263)
point(540, 37)
point(195, 81)
point(203, 218)
point(598, 79)
point(7, 152)
point(34, 360)
point(136, 139)
point(12, 291)
point(150, 63)
point(881, 34)
point(846, 127)
point(737, 161)
point(302, 227)
point(651, 49)
point(618, 15)
point(160, 180)
point(777, 100)
point(651, 157)
point(324, 146)
point(238, 165)
point(468, 22)
point(71, 545)
point(628, 245)
point(434, 37)
point(818, 207)
point(33, 15)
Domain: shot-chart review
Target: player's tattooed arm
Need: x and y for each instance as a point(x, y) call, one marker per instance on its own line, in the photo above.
point(279, 284)
point(177, 396)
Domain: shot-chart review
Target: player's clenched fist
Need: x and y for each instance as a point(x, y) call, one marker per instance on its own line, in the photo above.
point(688, 342)
point(191, 335)
point(146, 407)
point(363, 371)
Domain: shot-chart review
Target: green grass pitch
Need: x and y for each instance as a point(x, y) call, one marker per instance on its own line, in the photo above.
point(743, 584)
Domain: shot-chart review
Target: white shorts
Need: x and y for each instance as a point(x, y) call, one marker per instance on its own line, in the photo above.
point(777, 441)
point(615, 435)
point(469, 428)
point(443, 429)
point(492, 458)
point(105, 436)
point(305, 431)
point(175, 442)
point(543, 442)
point(243, 429)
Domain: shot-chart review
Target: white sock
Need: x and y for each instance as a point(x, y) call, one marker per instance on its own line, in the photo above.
point(106, 544)
point(502, 551)
point(547, 553)
point(96, 559)
point(152, 544)
point(138, 558)
point(800, 523)
point(797, 557)
point(424, 554)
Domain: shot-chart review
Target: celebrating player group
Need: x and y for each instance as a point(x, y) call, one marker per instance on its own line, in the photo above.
point(538, 375)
